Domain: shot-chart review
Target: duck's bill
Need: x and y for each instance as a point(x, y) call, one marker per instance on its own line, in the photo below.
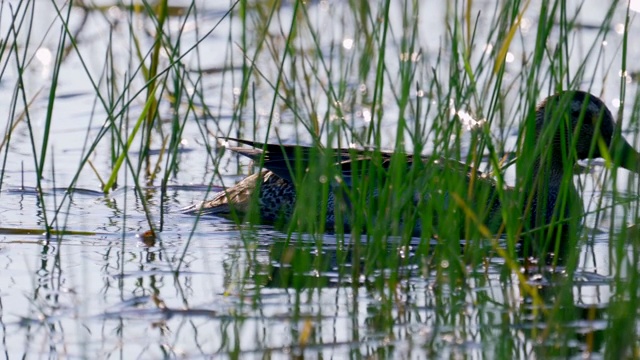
point(623, 154)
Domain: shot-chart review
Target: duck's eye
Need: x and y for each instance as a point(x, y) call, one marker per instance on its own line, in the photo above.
point(583, 117)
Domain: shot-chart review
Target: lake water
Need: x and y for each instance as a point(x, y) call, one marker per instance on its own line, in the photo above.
point(211, 288)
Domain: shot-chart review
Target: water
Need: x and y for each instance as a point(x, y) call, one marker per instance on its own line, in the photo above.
point(213, 288)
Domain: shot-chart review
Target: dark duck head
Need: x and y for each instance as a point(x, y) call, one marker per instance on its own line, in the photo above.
point(569, 126)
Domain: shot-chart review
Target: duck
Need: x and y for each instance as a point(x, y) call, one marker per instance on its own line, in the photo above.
point(568, 126)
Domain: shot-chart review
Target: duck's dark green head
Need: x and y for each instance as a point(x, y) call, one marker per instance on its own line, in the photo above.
point(577, 125)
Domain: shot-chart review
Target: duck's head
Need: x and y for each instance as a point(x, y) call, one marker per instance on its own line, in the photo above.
point(577, 125)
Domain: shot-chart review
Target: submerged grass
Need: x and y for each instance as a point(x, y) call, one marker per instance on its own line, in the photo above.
point(382, 79)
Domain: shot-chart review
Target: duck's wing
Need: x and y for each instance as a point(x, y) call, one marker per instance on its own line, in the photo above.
point(282, 159)
point(272, 152)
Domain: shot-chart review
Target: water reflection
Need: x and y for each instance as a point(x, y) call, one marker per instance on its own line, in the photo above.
point(396, 307)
